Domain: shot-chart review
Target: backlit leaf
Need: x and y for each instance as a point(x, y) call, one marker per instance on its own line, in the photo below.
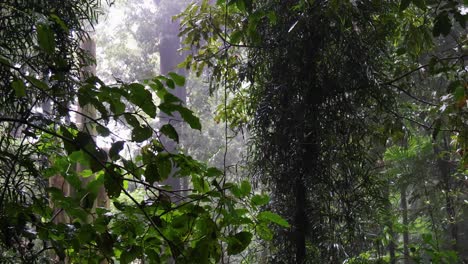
point(274, 218)
point(178, 79)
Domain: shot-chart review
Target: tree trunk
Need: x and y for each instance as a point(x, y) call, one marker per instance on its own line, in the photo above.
point(87, 125)
point(170, 57)
point(389, 223)
point(404, 212)
point(300, 221)
point(445, 169)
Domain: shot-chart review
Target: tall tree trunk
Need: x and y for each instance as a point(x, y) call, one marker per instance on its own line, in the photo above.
point(389, 223)
point(170, 57)
point(445, 169)
point(404, 212)
point(300, 221)
point(87, 125)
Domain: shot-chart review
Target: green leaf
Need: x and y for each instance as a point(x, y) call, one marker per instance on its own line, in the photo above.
point(459, 93)
point(235, 37)
point(130, 254)
point(116, 147)
point(116, 106)
point(86, 233)
point(46, 38)
point(274, 218)
point(86, 173)
point(164, 165)
point(235, 190)
point(260, 200)
point(190, 118)
point(264, 232)
point(78, 156)
point(132, 120)
point(178, 79)
point(98, 158)
point(238, 242)
point(102, 130)
point(105, 243)
point(272, 17)
point(84, 139)
point(156, 85)
point(168, 108)
point(170, 132)
point(245, 188)
point(142, 98)
point(170, 98)
point(442, 25)
point(69, 147)
point(19, 88)
point(113, 183)
point(213, 172)
point(170, 83)
point(241, 5)
point(200, 185)
point(142, 133)
point(151, 173)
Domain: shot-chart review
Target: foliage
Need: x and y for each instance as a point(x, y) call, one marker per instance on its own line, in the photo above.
point(330, 84)
point(43, 139)
point(356, 113)
point(303, 79)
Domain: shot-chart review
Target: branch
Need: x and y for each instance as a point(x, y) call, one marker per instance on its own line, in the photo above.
point(103, 165)
point(412, 96)
point(419, 68)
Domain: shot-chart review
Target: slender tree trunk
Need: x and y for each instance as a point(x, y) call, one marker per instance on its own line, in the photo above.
point(445, 176)
point(300, 221)
point(404, 211)
point(389, 223)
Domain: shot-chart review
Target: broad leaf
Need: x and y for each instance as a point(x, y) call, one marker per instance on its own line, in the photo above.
point(142, 98)
point(116, 147)
point(245, 188)
point(170, 132)
point(151, 173)
point(164, 165)
point(274, 218)
point(190, 118)
point(130, 254)
point(238, 242)
point(178, 79)
point(113, 183)
point(264, 232)
point(260, 200)
point(142, 133)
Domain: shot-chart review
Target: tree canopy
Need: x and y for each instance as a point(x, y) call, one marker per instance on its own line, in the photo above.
point(354, 112)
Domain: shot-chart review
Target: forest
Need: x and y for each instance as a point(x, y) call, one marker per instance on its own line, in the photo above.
point(233, 131)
